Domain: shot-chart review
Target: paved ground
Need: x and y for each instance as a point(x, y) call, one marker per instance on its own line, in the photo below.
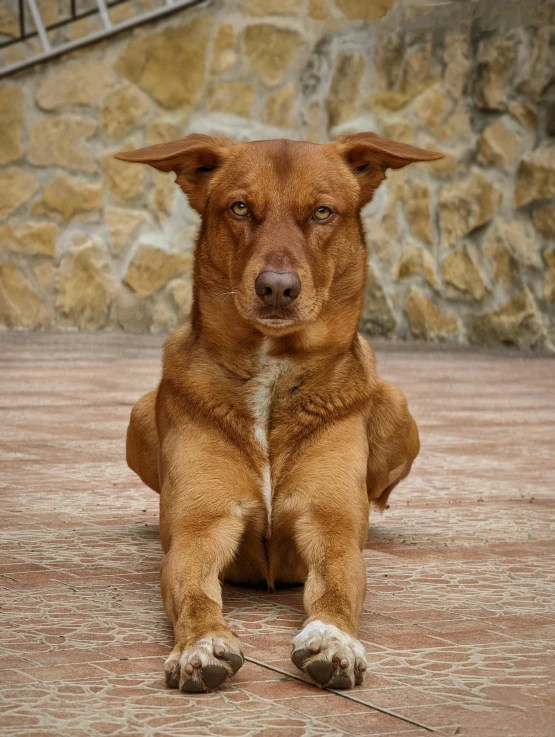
point(459, 622)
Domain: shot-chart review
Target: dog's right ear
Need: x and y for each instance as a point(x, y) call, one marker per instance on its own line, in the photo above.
point(193, 159)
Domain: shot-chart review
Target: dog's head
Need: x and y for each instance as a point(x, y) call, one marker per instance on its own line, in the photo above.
point(281, 228)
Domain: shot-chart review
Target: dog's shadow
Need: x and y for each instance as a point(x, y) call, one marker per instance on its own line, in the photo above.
point(147, 532)
point(384, 534)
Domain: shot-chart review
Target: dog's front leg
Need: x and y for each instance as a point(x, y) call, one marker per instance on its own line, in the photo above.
point(327, 648)
point(329, 504)
point(206, 652)
point(205, 507)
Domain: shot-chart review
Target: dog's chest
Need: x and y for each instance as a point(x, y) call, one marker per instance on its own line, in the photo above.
point(261, 391)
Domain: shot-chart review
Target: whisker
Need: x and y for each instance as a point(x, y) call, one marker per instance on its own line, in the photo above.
point(225, 295)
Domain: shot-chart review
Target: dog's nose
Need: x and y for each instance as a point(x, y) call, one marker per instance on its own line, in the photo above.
point(277, 288)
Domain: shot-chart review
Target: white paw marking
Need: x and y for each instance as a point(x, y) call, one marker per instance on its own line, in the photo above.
point(330, 635)
point(319, 642)
point(201, 651)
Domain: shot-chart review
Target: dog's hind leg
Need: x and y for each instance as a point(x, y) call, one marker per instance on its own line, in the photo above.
point(393, 442)
point(142, 441)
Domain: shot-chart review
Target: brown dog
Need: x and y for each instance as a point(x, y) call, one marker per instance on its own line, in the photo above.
point(270, 433)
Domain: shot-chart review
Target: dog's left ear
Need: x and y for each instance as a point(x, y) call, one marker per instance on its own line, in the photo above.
point(193, 158)
point(369, 155)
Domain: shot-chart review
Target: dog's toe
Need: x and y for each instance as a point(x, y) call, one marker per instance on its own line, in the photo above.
point(360, 670)
point(172, 670)
point(320, 671)
point(234, 661)
point(214, 675)
point(231, 657)
point(192, 686)
point(340, 681)
point(329, 657)
point(300, 656)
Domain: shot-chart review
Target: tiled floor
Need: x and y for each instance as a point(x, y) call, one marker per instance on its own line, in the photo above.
point(459, 622)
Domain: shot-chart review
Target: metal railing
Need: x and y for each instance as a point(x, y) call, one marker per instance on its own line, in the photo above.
point(32, 25)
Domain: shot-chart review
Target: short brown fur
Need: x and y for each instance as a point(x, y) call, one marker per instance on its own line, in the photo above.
point(335, 436)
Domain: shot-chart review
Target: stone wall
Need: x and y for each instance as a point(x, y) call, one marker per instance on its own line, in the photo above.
point(462, 250)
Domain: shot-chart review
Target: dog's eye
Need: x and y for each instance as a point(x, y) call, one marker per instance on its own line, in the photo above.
point(322, 213)
point(239, 208)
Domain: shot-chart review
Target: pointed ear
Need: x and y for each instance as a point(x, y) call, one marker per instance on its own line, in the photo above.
point(368, 156)
point(194, 159)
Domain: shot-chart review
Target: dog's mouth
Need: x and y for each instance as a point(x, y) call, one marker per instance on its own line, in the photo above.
point(276, 319)
point(270, 319)
point(276, 314)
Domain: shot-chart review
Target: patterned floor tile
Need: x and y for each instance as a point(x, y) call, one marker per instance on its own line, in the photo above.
point(459, 621)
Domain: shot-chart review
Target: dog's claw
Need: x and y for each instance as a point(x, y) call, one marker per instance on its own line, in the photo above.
point(314, 646)
point(360, 670)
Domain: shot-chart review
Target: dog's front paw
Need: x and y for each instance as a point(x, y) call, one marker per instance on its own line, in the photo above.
point(328, 656)
point(205, 665)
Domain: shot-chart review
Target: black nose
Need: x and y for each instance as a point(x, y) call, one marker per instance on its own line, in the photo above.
point(277, 288)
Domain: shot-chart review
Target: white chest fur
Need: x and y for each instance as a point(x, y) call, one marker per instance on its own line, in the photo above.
point(260, 400)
